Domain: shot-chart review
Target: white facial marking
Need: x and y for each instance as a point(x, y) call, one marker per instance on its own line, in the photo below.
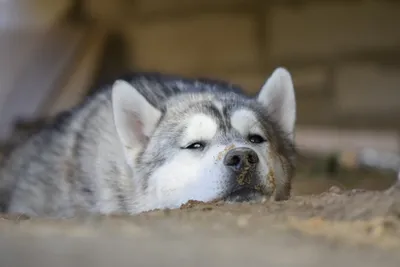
point(200, 127)
point(186, 177)
point(218, 105)
point(245, 122)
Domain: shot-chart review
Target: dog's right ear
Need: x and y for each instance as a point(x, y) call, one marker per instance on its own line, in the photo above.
point(278, 97)
point(134, 117)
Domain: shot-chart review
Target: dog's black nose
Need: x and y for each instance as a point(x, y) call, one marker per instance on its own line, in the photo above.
point(240, 158)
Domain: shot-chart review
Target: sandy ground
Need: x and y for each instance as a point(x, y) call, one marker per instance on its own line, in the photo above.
point(336, 228)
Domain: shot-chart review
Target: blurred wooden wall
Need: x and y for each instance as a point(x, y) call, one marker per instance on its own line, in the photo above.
point(43, 52)
point(344, 55)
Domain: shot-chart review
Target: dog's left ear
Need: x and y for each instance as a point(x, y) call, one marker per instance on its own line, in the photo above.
point(277, 95)
point(134, 117)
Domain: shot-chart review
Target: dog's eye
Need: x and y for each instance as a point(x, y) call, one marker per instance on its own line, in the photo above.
point(256, 139)
point(196, 145)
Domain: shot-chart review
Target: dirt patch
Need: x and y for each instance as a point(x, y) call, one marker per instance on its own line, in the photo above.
point(350, 228)
point(347, 215)
point(354, 215)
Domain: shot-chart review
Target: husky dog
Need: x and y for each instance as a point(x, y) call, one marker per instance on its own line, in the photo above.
point(153, 141)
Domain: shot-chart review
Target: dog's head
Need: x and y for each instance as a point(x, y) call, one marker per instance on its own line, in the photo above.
point(208, 146)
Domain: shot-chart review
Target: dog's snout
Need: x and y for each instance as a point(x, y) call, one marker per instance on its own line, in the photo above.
point(244, 183)
point(239, 158)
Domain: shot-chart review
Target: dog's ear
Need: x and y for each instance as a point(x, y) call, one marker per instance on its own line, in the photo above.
point(134, 117)
point(277, 95)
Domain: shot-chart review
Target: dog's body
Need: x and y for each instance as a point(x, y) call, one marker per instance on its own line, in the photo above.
point(154, 142)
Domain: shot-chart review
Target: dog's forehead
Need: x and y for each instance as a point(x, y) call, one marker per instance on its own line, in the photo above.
point(210, 114)
point(207, 103)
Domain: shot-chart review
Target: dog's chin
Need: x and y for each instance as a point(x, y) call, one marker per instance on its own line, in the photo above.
point(244, 195)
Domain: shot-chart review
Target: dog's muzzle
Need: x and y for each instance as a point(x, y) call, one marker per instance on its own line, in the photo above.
point(244, 184)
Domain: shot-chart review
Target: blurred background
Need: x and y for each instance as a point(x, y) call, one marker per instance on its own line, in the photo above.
point(344, 57)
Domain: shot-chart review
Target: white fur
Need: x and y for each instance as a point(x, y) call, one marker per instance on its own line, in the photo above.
point(194, 174)
point(218, 105)
point(187, 177)
point(199, 127)
point(166, 176)
point(245, 122)
point(278, 96)
point(134, 117)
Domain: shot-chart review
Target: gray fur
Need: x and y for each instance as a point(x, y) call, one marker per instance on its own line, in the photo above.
point(77, 165)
